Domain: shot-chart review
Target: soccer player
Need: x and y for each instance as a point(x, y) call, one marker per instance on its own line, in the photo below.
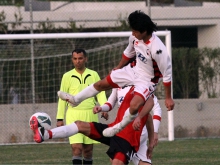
point(121, 146)
point(117, 96)
point(73, 82)
point(152, 61)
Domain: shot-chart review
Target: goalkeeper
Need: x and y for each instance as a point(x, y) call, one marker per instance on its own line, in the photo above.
point(73, 82)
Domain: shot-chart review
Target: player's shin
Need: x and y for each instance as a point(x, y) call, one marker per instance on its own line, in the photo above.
point(61, 132)
point(88, 92)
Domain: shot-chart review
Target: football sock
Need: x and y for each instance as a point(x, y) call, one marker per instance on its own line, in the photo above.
point(62, 132)
point(127, 118)
point(87, 161)
point(77, 160)
point(88, 92)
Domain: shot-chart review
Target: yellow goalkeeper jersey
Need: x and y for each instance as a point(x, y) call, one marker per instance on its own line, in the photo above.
point(73, 82)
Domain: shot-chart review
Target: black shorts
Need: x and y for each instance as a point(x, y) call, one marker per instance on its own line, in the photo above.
point(115, 143)
point(118, 144)
point(96, 132)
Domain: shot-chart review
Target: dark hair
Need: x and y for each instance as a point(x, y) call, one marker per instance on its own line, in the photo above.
point(80, 51)
point(141, 22)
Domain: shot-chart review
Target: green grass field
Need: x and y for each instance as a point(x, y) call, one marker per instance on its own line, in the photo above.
point(178, 152)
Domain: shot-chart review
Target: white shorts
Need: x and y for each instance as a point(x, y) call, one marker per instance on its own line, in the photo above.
point(142, 152)
point(127, 76)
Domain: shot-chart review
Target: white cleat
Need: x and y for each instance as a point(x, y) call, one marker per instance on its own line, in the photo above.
point(111, 131)
point(68, 98)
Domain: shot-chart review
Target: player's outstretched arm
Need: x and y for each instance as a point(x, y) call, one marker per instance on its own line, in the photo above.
point(150, 130)
point(122, 63)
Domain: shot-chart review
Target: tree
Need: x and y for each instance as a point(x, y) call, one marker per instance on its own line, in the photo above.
point(210, 71)
point(186, 62)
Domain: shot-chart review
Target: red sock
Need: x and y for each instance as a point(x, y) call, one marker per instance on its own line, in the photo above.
point(50, 134)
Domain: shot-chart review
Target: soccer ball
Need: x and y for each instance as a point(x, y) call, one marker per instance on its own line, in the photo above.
point(43, 119)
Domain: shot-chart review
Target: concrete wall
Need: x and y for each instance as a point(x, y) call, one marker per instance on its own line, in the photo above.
point(192, 118)
point(107, 14)
point(209, 33)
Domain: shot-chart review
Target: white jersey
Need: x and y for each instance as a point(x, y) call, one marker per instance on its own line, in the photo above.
point(152, 58)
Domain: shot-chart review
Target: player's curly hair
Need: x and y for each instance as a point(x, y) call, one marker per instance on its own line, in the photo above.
point(141, 22)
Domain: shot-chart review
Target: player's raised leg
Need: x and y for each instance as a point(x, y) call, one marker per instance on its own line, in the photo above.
point(40, 134)
point(88, 92)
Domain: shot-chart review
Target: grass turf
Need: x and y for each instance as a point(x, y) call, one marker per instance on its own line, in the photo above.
point(178, 152)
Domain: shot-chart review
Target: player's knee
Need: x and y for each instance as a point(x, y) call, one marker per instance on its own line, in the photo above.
point(134, 106)
point(102, 85)
point(136, 103)
point(83, 127)
point(80, 125)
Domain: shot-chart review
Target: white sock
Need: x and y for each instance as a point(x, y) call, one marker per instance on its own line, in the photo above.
point(89, 91)
point(127, 118)
point(62, 132)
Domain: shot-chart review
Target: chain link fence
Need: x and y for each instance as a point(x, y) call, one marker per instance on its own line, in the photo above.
point(195, 36)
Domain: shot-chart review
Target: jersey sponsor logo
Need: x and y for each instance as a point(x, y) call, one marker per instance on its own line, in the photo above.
point(121, 98)
point(142, 58)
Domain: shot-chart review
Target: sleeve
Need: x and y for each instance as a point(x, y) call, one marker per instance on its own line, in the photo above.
point(101, 96)
point(62, 104)
point(129, 52)
point(157, 112)
point(111, 101)
point(161, 56)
